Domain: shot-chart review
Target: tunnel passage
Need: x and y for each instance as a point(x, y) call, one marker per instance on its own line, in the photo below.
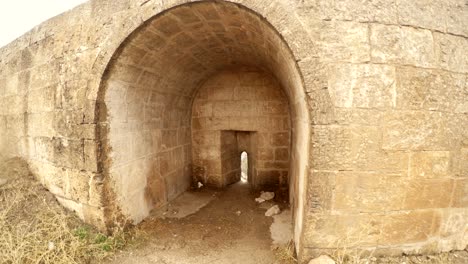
point(241, 110)
point(148, 131)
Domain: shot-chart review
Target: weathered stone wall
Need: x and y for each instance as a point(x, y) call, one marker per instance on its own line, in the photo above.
point(246, 100)
point(378, 88)
point(397, 79)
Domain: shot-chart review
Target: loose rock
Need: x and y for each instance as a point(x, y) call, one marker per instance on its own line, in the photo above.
point(274, 210)
point(265, 196)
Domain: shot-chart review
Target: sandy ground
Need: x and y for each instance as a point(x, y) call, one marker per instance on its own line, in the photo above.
point(212, 227)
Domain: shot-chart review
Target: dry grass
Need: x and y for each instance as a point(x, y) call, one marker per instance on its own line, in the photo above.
point(34, 228)
point(285, 254)
point(347, 248)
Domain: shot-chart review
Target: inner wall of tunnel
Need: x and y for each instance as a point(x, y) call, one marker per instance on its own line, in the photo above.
point(235, 110)
point(149, 87)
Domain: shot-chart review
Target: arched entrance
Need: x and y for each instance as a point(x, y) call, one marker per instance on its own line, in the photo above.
point(148, 89)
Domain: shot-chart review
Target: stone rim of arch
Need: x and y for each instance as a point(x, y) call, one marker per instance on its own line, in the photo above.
point(286, 25)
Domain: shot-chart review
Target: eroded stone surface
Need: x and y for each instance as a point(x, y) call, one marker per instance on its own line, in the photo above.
point(99, 102)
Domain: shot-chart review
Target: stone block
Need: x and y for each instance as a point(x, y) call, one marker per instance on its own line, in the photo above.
point(457, 18)
point(407, 227)
point(266, 178)
point(155, 191)
point(131, 54)
point(353, 148)
point(14, 105)
point(452, 221)
point(423, 13)
point(362, 85)
point(418, 130)
point(402, 45)
point(96, 191)
point(382, 11)
point(282, 154)
point(90, 155)
point(10, 85)
point(202, 109)
point(337, 231)
point(167, 163)
point(460, 193)
point(72, 205)
point(186, 15)
point(344, 41)
point(265, 154)
point(125, 73)
point(167, 25)
point(45, 75)
point(428, 193)
point(368, 192)
point(320, 186)
point(358, 116)
point(280, 139)
point(431, 90)
point(77, 188)
point(41, 100)
point(460, 163)
point(274, 165)
point(68, 153)
point(94, 216)
point(168, 139)
point(52, 177)
point(206, 137)
point(135, 207)
point(430, 164)
point(451, 52)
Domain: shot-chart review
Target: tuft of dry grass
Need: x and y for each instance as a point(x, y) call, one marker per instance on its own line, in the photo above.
point(34, 228)
point(285, 253)
point(347, 249)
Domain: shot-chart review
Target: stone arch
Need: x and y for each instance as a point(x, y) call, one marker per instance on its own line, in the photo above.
point(301, 79)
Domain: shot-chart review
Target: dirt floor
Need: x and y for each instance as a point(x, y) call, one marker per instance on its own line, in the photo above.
point(213, 227)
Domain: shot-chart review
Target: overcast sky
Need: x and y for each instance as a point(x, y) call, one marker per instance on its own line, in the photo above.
point(19, 16)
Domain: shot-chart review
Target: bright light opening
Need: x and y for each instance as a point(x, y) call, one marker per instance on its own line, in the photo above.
point(244, 167)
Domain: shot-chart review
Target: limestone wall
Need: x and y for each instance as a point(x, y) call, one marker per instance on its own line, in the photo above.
point(397, 78)
point(239, 100)
point(378, 88)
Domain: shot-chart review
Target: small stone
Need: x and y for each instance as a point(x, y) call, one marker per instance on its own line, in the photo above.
point(265, 196)
point(51, 245)
point(259, 200)
point(323, 259)
point(200, 185)
point(274, 210)
point(238, 213)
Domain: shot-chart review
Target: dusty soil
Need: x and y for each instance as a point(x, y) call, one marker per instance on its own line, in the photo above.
point(231, 228)
point(455, 257)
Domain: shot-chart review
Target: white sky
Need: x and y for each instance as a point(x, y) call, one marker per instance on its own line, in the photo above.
point(19, 16)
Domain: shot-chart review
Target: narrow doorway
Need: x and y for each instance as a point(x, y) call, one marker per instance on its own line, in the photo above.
point(244, 167)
